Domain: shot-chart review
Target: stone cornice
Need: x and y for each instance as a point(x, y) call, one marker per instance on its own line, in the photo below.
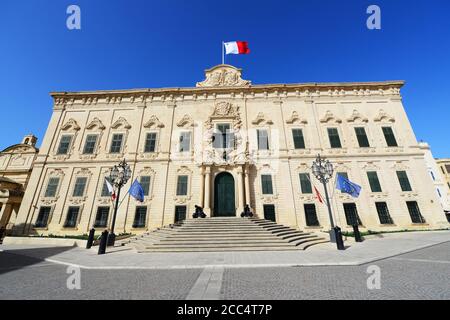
point(168, 95)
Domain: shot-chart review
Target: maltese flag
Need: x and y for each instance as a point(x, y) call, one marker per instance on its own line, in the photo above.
point(236, 47)
point(110, 189)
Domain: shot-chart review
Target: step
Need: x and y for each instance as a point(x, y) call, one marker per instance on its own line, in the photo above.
point(144, 250)
point(221, 241)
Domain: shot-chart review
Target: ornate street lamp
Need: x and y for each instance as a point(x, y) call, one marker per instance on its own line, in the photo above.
point(323, 171)
point(119, 176)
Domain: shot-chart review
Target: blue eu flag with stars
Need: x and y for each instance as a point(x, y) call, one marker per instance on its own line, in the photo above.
point(347, 186)
point(136, 191)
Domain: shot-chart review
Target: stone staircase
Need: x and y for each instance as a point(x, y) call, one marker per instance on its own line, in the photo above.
point(224, 234)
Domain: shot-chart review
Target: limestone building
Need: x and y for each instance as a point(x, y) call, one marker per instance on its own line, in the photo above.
point(225, 143)
point(16, 163)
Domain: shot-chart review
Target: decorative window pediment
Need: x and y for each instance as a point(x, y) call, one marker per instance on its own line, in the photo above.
point(71, 124)
point(357, 117)
point(329, 116)
point(383, 117)
point(96, 123)
point(295, 118)
point(186, 121)
point(223, 76)
point(262, 119)
point(153, 122)
point(121, 122)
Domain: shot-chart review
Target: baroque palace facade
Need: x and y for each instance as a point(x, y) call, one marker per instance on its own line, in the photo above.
point(226, 143)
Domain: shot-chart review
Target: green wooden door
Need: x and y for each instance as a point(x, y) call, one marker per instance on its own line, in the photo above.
point(269, 212)
point(224, 205)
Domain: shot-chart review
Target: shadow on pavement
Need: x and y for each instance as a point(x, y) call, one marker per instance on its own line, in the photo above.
point(15, 259)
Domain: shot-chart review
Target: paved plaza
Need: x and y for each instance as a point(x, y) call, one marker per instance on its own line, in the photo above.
point(411, 266)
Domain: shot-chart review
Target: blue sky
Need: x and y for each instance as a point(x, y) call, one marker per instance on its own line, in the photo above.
point(142, 43)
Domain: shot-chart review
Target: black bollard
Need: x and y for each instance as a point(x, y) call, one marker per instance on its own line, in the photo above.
point(357, 234)
point(111, 239)
point(103, 242)
point(90, 240)
point(338, 237)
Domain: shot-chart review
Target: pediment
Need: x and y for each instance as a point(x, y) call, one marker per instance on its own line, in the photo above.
point(223, 75)
point(356, 116)
point(383, 116)
point(153, 122)
point(96, 123)
point(261, 119)
point(186, 121)
point(121, 122)
point(295, 118)
point(71, 124)
point(329, 116)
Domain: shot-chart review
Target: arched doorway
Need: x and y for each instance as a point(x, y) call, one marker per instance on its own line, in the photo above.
point(224, 202)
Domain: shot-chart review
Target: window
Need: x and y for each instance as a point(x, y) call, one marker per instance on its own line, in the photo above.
point(351, 214)
point(64, 144)
point(80, 185)
point(404, 181)
point(263, 139)
point(333, 136)
point(90, 144)
point(389, 136)
point(223, 138)
point(305, 183)
point(145, 183)
point(362, 137)
point(140, 217)
point(52, 187)
point(311, 215)
point(432, 175)
point(269, 212)
point(383, 213)
point(266, 183)
point(116, 143)
point(150, 142)
point(105, 191)
point(180, 213)
point(182, 185)
point(72, 216)
point(414, 212)
point(373, 181)
point(185, 141)
point(299, 141)
point(101, 219)
point(42, 219)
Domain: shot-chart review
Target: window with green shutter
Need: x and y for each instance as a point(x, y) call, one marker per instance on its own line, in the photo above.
point(351, 214)
point(311, 215)
point(182, 185)
point(90, 144)
point(299, 141)
point(101, 218)
point(145, 183)
point(80, 185)
point(64, 144)
point(52, 187)
point(373, 181)
point(414, 212)
point(404, 181)
point(362, 137)
point(266, 182)
point(72, 217)
point(390, 137)
point(116, 143)
point(105, 191)
point(42, 219)
point(333, 135)
point(383, 213)
point(140, 217)
point(185, 141)
point(150, 142)
point(305, 183)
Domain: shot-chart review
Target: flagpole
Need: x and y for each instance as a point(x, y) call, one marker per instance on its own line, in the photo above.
point(223, 53)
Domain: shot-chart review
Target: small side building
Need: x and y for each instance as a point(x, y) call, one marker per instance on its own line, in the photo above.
point(16, 163)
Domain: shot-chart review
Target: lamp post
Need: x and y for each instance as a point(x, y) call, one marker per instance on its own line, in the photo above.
point(119, 176)
point(323, 171)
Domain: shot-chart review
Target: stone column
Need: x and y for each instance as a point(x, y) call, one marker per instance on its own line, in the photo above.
point(207, 208)
point(240, 185)
point(202, 188)
point(247, 186)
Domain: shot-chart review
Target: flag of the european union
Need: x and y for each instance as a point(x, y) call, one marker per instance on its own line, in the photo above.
point(347, 186)
point(136, 191)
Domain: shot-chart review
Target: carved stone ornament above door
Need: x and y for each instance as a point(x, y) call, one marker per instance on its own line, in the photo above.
point(223, 75)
